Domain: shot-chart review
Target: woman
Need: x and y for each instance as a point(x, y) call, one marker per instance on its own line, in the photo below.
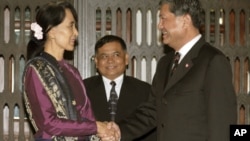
point(54, 94)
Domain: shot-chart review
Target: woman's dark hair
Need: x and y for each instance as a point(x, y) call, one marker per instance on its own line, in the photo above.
point(110, 38)
point(182, 7)
point(48, 16)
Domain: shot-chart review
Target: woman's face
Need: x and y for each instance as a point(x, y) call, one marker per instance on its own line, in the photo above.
point(64, 35)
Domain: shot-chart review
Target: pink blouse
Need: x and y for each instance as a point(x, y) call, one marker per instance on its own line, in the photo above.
point(44, 113)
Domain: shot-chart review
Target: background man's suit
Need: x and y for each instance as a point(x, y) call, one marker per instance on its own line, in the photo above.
point(133, 93)
point(197, 100)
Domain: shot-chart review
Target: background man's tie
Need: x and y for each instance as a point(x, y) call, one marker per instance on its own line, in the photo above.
point(113, 101)
point(175, 63)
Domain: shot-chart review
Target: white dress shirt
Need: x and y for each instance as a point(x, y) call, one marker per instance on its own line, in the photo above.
point(185, 49)
point(118, 85)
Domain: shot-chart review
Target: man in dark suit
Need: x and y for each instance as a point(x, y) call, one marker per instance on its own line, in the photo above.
point(111, 59)
point(197, 102)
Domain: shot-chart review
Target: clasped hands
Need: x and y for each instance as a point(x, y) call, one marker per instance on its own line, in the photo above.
point(108, 131)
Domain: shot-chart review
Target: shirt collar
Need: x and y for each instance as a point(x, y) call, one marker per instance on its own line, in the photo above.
point(118, 85)
point(185, 49)
point(118, 80)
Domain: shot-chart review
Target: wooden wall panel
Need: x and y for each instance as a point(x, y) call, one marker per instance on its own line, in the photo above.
point(226, 26)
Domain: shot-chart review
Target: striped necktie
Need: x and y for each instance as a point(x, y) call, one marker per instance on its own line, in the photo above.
point(113, 101)
point(175, 62)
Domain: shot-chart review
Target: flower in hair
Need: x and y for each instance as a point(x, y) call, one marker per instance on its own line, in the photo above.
point(37, 30)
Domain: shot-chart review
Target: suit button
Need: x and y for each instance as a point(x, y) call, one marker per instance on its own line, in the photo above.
point(162, 125)
point(164, 101)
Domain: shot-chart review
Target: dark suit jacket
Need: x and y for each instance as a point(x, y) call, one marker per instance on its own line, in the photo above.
point(133, 93)
point(197, 103)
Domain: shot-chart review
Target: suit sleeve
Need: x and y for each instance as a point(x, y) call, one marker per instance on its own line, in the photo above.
point(141, 121)
point(221, 99)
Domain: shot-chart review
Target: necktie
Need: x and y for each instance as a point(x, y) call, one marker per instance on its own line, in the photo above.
point(113, 101)
point(175, 62)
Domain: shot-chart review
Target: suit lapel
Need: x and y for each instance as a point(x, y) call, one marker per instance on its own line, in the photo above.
point(166, 68)
point(100, 95)
point(101, 89)
point(185, 65)
point(180, 72)
point(124, 93)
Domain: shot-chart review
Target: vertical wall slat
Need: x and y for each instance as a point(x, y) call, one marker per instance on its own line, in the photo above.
point(87, 38)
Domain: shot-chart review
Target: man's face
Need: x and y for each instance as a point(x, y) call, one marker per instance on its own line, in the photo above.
point(171, 26)
point(111, 60)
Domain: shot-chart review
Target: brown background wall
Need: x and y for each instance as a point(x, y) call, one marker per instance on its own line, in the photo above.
point(226, 26)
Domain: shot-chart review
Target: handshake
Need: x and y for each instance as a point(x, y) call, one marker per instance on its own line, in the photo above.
point(108, 131)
